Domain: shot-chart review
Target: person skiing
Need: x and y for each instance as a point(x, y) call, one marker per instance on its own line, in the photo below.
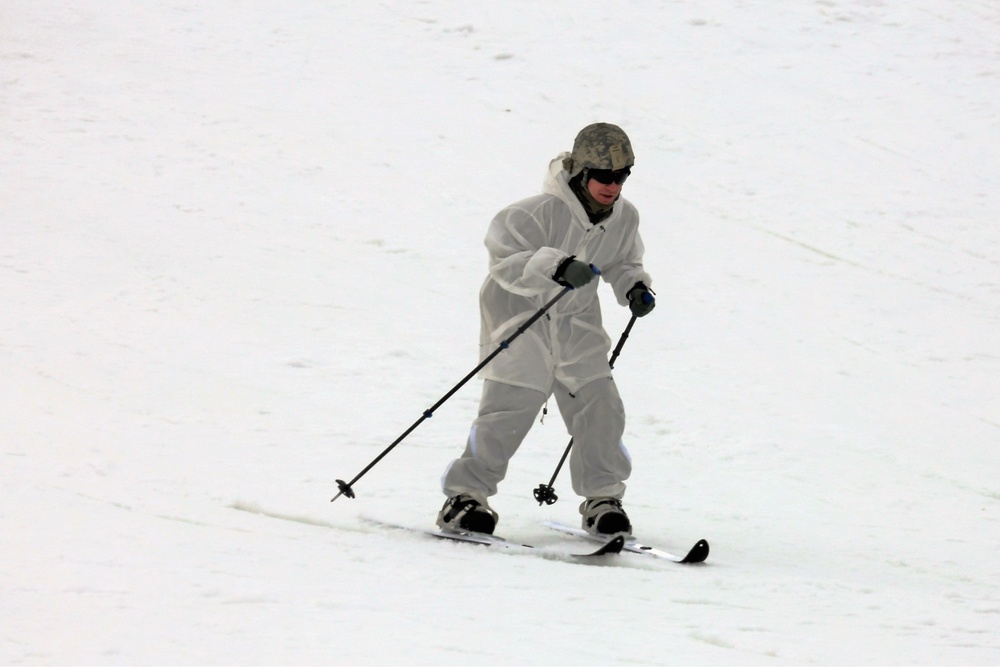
point(577, 228)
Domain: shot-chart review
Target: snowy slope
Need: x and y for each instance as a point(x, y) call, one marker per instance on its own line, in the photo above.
point(240, 250)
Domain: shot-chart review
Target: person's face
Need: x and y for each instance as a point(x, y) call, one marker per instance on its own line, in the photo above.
point(605, 186)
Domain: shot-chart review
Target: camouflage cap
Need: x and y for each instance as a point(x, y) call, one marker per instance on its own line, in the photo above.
point(600, 146)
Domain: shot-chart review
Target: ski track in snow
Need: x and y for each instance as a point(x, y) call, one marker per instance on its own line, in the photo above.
point(240, 250)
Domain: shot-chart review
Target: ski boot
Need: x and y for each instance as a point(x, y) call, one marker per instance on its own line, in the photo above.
point(465, 513)
point(604, 516)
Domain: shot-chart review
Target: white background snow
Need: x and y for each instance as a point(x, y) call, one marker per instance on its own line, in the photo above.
point(240, 251)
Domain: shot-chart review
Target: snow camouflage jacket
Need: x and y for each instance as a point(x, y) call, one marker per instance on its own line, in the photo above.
point(526, 242)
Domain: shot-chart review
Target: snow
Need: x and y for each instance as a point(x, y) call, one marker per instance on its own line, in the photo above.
point(240, 250)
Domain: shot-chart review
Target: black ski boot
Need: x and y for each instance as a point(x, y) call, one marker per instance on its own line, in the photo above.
point(604, 516)
point(465, 513)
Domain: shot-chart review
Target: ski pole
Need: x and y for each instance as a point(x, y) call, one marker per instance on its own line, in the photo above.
point(544, 493)
point(346, 487)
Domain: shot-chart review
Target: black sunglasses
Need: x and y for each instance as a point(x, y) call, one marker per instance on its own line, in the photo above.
point(607, 176)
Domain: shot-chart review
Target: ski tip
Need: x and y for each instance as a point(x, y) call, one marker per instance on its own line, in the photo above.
point(612, 546)
point(698, 553)
point(616, 545)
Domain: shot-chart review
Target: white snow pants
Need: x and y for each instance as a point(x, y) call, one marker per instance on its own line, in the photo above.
point(594, 417)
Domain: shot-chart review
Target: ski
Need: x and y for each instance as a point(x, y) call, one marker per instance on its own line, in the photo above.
point(697, 554)
point(608, 547)
point(612, 546)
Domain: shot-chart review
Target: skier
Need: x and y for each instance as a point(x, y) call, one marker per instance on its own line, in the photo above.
point(579, 227)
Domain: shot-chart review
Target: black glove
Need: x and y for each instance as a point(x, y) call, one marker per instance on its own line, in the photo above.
point(641, 300)
point(574, 273)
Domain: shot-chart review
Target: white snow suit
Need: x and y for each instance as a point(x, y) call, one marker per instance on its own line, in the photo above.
point(565, 352)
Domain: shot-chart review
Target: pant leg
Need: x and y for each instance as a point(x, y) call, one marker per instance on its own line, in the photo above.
point(595, 416)
point(506, 414)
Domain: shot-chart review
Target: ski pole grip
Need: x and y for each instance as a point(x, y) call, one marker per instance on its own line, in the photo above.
point(596, 270)
point(648, 298)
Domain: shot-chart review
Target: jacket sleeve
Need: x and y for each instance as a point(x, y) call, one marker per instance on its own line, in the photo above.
point(520, 260)
point(624, 274)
